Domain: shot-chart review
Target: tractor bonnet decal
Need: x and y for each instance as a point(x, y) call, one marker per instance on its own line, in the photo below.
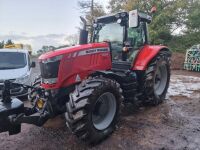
point(93, 51)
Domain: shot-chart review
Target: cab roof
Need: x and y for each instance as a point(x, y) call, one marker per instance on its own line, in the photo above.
point(114, 16)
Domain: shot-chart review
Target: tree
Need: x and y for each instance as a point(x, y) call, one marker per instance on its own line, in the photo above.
point(47, 48)
point(1, 44)
point(171, 17)
point(72, 39)
point(193, 18)
point(116, 5)
point(9, 42)
point(191, 33)
point(168, 18)
point(92, 10)
point(51, 48)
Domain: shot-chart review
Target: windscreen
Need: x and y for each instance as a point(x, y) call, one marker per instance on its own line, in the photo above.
point(12, 60)
point(113, 33)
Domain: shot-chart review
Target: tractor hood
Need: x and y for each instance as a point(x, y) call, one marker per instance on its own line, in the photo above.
point(66, 66)
point(73, 50)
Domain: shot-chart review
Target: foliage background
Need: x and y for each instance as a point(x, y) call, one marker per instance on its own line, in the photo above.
point(176, 23)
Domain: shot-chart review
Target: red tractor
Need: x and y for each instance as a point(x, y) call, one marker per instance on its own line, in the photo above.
point(89, 82)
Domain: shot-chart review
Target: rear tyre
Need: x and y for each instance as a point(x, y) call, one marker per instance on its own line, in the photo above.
point(32, 93)
point(156, 79)
point(93, 109)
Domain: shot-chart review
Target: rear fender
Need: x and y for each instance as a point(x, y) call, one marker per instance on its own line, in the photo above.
point(146, 54)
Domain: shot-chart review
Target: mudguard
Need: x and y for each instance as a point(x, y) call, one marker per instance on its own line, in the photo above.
point(145, 55)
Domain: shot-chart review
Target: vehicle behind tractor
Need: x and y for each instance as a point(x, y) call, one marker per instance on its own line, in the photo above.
point(89, 82)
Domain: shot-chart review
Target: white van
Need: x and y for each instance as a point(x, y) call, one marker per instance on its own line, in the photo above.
point(16, 66)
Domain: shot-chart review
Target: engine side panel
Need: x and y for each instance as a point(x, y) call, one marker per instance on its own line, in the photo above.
point(146, 54)
point(78, 65)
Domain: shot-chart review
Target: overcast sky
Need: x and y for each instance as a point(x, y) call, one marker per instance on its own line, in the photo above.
point(39, 22)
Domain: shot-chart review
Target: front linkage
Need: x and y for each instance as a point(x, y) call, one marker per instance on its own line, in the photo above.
point(13, 112)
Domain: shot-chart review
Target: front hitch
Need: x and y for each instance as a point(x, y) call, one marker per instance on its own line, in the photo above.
point(13, 113)
point(7, 110)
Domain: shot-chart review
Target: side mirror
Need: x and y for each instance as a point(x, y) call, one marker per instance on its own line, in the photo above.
point(133, 19)
point(33, 64)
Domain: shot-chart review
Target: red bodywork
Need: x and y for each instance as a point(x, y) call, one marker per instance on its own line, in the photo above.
point(146, 54)
point(80, 61)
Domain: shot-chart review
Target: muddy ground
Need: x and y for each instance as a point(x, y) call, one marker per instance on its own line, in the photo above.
point(175, 124)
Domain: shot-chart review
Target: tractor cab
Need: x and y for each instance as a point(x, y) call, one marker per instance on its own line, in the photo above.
point(126, 32)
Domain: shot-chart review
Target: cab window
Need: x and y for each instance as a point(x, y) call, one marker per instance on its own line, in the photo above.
point(137, 36)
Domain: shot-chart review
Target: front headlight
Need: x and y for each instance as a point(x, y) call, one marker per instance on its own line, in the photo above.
point(22, 79)
point(52, 59)
point(49, 69)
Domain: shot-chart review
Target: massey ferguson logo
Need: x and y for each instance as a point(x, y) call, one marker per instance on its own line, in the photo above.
point(93, 51)
point(96, 50)
point(88, 52)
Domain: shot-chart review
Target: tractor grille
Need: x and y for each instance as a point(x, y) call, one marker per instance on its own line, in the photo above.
point(49, 71)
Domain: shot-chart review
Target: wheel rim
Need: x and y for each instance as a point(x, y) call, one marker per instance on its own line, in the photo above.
point(160, 80)
point(104, 111)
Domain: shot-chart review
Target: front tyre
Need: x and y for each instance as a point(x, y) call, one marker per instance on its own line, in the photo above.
point(93, 109)
point(33, 92)
point(156, 79)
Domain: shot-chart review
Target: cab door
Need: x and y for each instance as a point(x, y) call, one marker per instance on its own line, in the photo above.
point(136, 39)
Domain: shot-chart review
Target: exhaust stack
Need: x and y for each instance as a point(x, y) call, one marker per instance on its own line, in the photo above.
point(83, 39)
